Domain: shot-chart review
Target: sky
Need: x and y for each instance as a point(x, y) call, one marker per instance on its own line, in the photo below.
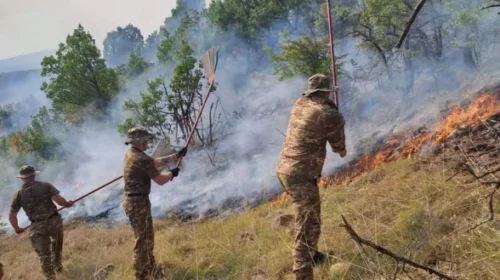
point(28, 26)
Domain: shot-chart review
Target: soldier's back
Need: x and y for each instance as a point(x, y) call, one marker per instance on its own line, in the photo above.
point(36, 200)
point(304, 149)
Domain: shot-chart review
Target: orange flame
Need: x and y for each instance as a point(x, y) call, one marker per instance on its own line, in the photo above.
point(281, 198)
point(408, 143)
point(481, 108)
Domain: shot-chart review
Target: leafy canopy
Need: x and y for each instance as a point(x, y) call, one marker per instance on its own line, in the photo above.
point(78, 77)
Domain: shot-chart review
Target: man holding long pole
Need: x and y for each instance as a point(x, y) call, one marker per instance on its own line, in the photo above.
point(314, 122)
point(46, 232)
point(138, 172)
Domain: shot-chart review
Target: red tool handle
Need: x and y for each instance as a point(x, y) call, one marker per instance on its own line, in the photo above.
point(332, 54)
point(89, 193)
point(203, 103)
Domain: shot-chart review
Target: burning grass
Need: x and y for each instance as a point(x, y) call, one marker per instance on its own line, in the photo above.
point(411, 142)
point(406, 206)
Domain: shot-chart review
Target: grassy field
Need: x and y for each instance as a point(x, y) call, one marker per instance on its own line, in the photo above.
point(407, 206)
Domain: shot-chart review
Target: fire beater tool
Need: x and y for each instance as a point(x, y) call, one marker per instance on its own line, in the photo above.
point(332, 54)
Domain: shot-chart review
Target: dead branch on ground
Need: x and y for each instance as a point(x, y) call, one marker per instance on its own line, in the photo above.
point(413, 16)
point(491, 217)
point(360, 241)
point(472, 167)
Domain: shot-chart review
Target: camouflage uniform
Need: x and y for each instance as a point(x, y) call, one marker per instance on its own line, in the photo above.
point(46, 231)
point(139, 169)
point(314, 121)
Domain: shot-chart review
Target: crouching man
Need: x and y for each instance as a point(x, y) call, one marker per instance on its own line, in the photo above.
point(46, 231)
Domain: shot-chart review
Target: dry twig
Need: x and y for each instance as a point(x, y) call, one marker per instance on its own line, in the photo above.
point(360, 241)
point(490, 197)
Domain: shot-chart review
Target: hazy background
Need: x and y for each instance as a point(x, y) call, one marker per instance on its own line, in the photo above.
point(246, 156)
point(30, 26)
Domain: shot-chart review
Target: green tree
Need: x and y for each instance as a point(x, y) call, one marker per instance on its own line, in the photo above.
point(302, 57)
point(120, 43)
point(251, 18)
point(78, 77)
point(151, 45)
point(34, 139)
point(171, 111)
point(171, 42)
point(6, 112)
point(136, 66)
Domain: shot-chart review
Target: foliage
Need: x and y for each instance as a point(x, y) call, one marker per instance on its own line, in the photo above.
point(171, 42)
point(150, 45)
point(249, 19)
point(302, 57)
point(151, 111)
point(170, 112)
point(36, 138)
point(78, 77)
point(5, 116)
point(164, 52)
point(136, 66)
point(121, 43)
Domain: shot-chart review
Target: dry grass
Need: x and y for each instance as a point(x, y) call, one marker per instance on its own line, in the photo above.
point(404, 206)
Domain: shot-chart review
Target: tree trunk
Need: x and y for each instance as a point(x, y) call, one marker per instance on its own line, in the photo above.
point(469, 55)
point(409, 69)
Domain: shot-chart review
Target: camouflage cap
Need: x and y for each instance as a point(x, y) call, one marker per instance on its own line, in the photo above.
point(27, 171)
point(317, 82)
point(138, 135)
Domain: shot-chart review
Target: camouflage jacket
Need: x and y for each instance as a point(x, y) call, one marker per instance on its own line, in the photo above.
point(138, 171)
point(36, 200)
point(313, 122)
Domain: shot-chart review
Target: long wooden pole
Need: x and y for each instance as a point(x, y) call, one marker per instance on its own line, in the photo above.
point(89, 193)
point(332, 54)
point(204, 102)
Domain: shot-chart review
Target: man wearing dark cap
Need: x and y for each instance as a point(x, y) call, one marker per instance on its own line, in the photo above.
point(46, 231)
point(314, 122)
point(138, 172)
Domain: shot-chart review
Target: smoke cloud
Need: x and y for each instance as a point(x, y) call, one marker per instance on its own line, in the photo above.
point(244, 159)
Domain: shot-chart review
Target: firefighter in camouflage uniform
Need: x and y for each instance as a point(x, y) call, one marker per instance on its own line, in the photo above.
point(139, 170)
point(46, 231)
point(314, 122)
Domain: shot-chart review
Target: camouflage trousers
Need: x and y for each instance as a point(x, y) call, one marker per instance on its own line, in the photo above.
point(307, 210)
point(138, 210)
point(47, 239)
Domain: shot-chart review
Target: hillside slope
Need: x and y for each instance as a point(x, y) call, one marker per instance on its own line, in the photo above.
point(407, 206)
point(24, 62)
point(427, 195)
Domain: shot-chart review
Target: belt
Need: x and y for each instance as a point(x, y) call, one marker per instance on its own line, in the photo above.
point(137, 194)
point(41, 220)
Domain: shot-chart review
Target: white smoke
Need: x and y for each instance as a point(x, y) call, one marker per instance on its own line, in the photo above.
point(246, 157)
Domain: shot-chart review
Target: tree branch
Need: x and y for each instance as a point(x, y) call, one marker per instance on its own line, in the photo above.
point(490, 6)
point(491, 197)
point(410, 22)
point(386, 252)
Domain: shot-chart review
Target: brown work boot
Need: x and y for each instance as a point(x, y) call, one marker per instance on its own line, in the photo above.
point(320, 258)
point(158, 273)
point(59, 269)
